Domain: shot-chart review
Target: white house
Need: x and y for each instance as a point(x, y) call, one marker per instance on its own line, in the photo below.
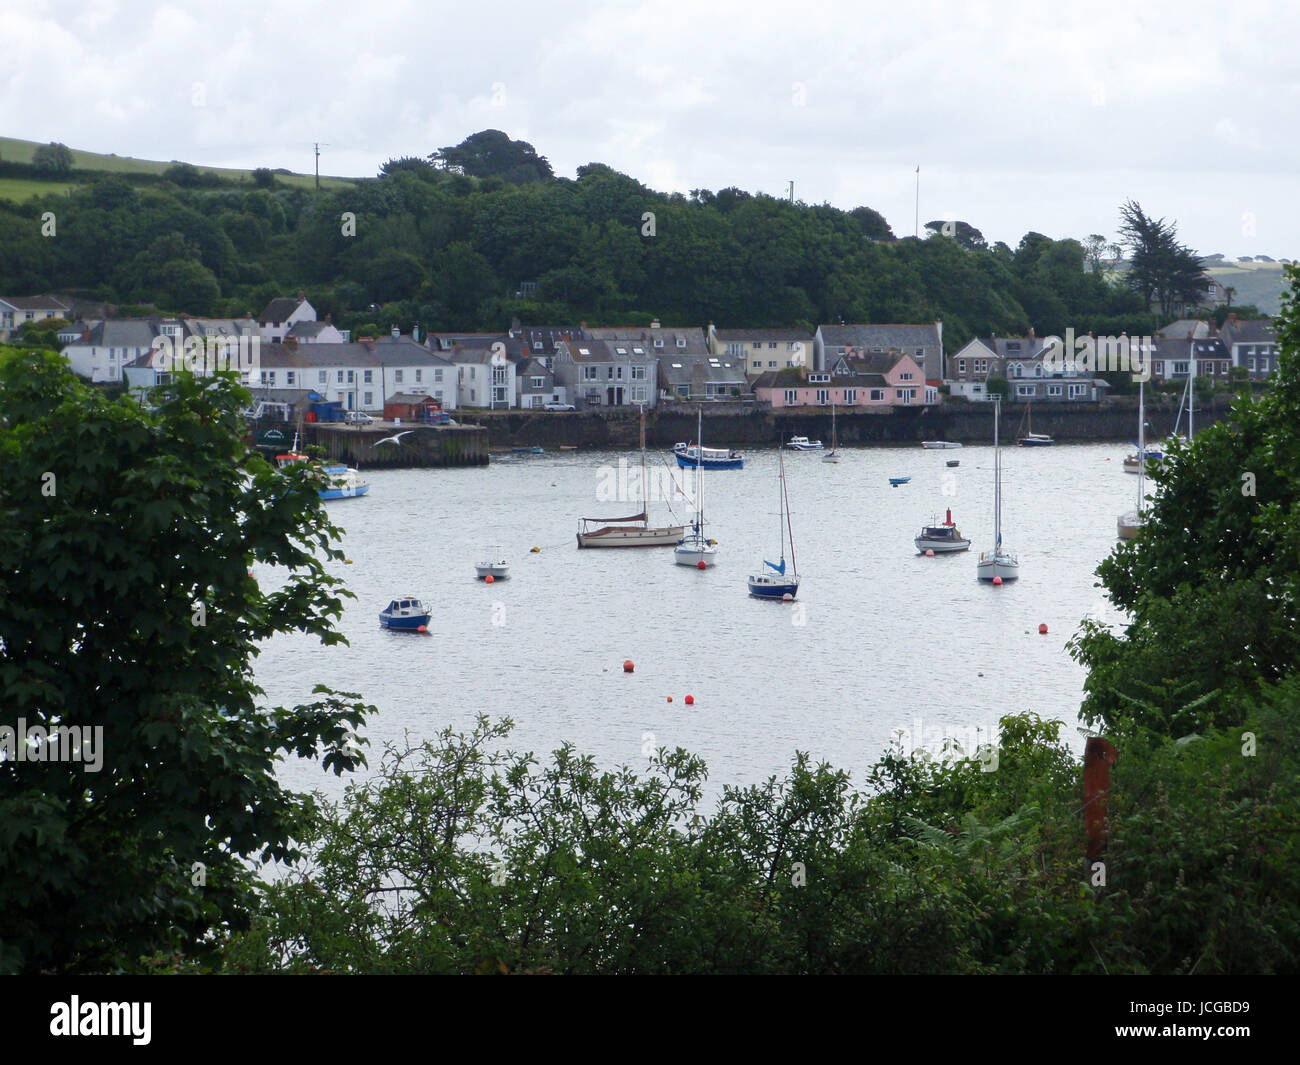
point(282, 314)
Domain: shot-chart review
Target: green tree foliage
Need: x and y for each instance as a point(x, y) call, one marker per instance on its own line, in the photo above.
point(54, 159)
point(1162, 271)
point(1213, 579)
point(127, 604)
point(263, 177)
point(491, 153)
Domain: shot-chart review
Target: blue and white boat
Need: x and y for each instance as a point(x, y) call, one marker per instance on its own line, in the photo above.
point(773, 582)
point(896, 481)
point(696, 549)
point(715, 458)
point(344, 482)
point(405, 614)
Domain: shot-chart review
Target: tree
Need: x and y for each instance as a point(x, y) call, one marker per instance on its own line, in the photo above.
point(963, 233)
point(1211, 582)
point(1163, 271)
point(1095, 248)
point(53, 158)
point(491, 153)
point(408, 164)
point(873, 223)
point(263, 177)
point(128, 606)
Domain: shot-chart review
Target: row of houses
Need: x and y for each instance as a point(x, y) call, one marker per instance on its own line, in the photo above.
point(529, 366)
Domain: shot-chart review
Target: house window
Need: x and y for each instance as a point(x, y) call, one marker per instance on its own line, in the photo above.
point(438, 395)
point(771, 343)
point(850, 396)
point(638, 373)
point(1025, 390)
point(735, 349)
point(589, 373)
point(1158, 369)
point(638, 394)
point(369, 398)
point(1078, 390)
point(681, 342)
point(877, 395)
point(619, 372)
point(961, 365)
point(791, 397)
point(419, 375)
point(1016, 369)
point(823, 396)
point(1180, 369)
point(771, 364)
point(659, 343)
point(920, 353)
point(340, 376)
point(538, 383)
point(289, 376)
point(352, 377)
point(437, 376)
point(322, 376)
point(906, 395)
point(1053, 390)
point(397, 376)
point(908, 376)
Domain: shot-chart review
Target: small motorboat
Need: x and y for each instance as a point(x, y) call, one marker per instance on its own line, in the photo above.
point(938, 445)
point(954, 462)
point(714, 458)
point(896, 481)
point(941, 539)
point(802, 443)
point(495, 570)
point(533, 450)
point(405, 614)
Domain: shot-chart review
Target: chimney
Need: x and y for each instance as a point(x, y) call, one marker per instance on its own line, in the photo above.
point(654, 323)
point(396, 332)
point(1031, 333)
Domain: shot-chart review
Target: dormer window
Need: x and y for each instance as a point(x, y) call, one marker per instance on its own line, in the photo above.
point(819, 378)
point(681, 342)
point(659, 342)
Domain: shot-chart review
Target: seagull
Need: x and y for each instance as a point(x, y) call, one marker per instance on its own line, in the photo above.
point(397, 439)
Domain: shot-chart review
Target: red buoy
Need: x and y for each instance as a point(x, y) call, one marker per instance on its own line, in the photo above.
point(489, 579)
point(1043, 629)
point(929, 552)
point(423, 628)
point(690, 700)
point(628, 666)
point(997, 582)
point(670, 698)
point(700, 564)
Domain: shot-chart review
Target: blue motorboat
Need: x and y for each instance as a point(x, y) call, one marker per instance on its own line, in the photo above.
point(714, 458)
point(896, 481)
point(344, 482)
point(405, 614)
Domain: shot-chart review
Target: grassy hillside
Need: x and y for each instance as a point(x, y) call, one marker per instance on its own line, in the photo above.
point(1259, 283)
point(19, 151)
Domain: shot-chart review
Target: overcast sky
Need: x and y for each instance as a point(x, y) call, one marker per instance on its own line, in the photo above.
point(1021, 116)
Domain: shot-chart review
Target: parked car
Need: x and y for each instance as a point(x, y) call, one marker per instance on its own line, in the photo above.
point(559, 406)
point(359, 417)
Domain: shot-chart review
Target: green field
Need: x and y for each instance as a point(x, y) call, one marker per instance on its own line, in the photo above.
point(13, 150)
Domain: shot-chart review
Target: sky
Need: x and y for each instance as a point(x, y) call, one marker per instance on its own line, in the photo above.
point(1021, 116)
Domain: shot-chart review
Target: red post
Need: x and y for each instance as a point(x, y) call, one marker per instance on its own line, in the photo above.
point(1098, 757)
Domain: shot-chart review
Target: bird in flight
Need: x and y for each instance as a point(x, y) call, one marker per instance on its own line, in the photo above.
point(397, 438)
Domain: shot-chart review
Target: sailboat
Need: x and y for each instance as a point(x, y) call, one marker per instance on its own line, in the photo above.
point(997, 563)
point(832, 455)
point(634, 530)
point(695, 549)
point(1031, 438)
point(1129, 524)
point(777, 584)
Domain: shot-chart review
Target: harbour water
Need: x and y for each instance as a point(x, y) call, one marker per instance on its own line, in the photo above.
point(880, 638)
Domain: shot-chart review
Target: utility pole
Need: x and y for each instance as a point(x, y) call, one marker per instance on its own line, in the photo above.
point(916, 232)
point(792, 191)
point(317, 146)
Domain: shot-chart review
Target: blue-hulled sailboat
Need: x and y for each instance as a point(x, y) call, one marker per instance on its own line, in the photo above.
point(773, 582)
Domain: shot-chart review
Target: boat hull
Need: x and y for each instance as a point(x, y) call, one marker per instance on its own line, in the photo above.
point(693, 555)
point(345, 492)
point(761, 587)
point(941, 547)
point(412, 623)
point(495, 572)
point(938, 445)
point(614, 536)
point(896, 481)
point(1029, 441)
point(1004, 566)
point(711, 464)
point(1128, 526)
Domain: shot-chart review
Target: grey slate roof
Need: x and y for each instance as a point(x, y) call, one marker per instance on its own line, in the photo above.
point(696, 343)
point(678, 368)
point(901, 337)
point(385, 352)
point(279, 309)
point(1186, 328)
point(1249, 331)
point(764, 335)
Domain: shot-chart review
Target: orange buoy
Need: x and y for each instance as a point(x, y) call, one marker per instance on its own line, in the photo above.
point(422, 628)
point(347, 562)
point(690, 700)
point(670, 698)
point(628, 666)
point(929, 552)
point(489, 579)
point(997, 582)
point(1043, 629)
point(700, 564)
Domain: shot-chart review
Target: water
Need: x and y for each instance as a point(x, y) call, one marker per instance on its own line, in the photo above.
point(878, 638)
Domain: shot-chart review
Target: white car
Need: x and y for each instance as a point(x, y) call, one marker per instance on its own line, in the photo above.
point(359, 417)
point(559, 406)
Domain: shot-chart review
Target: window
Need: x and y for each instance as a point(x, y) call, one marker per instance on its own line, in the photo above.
point(1263, 364)
point(589, 373)
point(340, 377)
point(419, 375)
point(1038, 369)
point(819, 378)
point(322, 377)
point(1158, 369)
point(609, 373)
point(1180, 369)
point(368, 376)
point(771, 343)
point(289, 377)
point(1025, 390)
point(397, 376)
point(1054, 390)
point(908, 376)
point(537, 382)
point(823, 396)
point(659, 342)
point(1016, 369)
point(352, 376)
point(1078, 390)
point(791, 397)
point(369, 398)
point(850, 396)
point(961, 365)
point(681, 342)
point(877, 395)
point(638, 373)
point(618, 372)
point(438, 395)
point(638, 394)
point(906, 395)
point(920, 353)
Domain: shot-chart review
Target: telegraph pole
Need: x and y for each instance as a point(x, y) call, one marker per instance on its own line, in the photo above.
point(916, 232)
point(317, 146)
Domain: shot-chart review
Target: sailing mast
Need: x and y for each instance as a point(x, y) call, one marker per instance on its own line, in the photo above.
point(997, 478)
point(785, 500)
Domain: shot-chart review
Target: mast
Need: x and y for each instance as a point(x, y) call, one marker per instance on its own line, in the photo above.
point(645, 489)
point(997, 478)
point(785, 501)
point(1142, 450)
point(699, 475)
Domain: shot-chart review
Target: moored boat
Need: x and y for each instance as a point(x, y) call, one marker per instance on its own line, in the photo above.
point(695, 549)
point(1030, 438)
point(495, 570)
point(896, 481)
point(997, 564)
point(344, 482)
point(942, 538)
point(773, 582)
point(938, 445)
point(714, 458)
point(405, 614)
point(802, 443)
point(634, 530)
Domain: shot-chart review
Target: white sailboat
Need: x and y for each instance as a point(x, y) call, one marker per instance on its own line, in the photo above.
point(773, 582)
point(1129, 524)
point(695, 549)
point(634, 530)
point(832, 455)
point(997, 564)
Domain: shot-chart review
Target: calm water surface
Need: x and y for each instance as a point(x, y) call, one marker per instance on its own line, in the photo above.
point(879, 637)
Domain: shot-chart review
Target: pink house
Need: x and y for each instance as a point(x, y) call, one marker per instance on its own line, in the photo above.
point(878, 380)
